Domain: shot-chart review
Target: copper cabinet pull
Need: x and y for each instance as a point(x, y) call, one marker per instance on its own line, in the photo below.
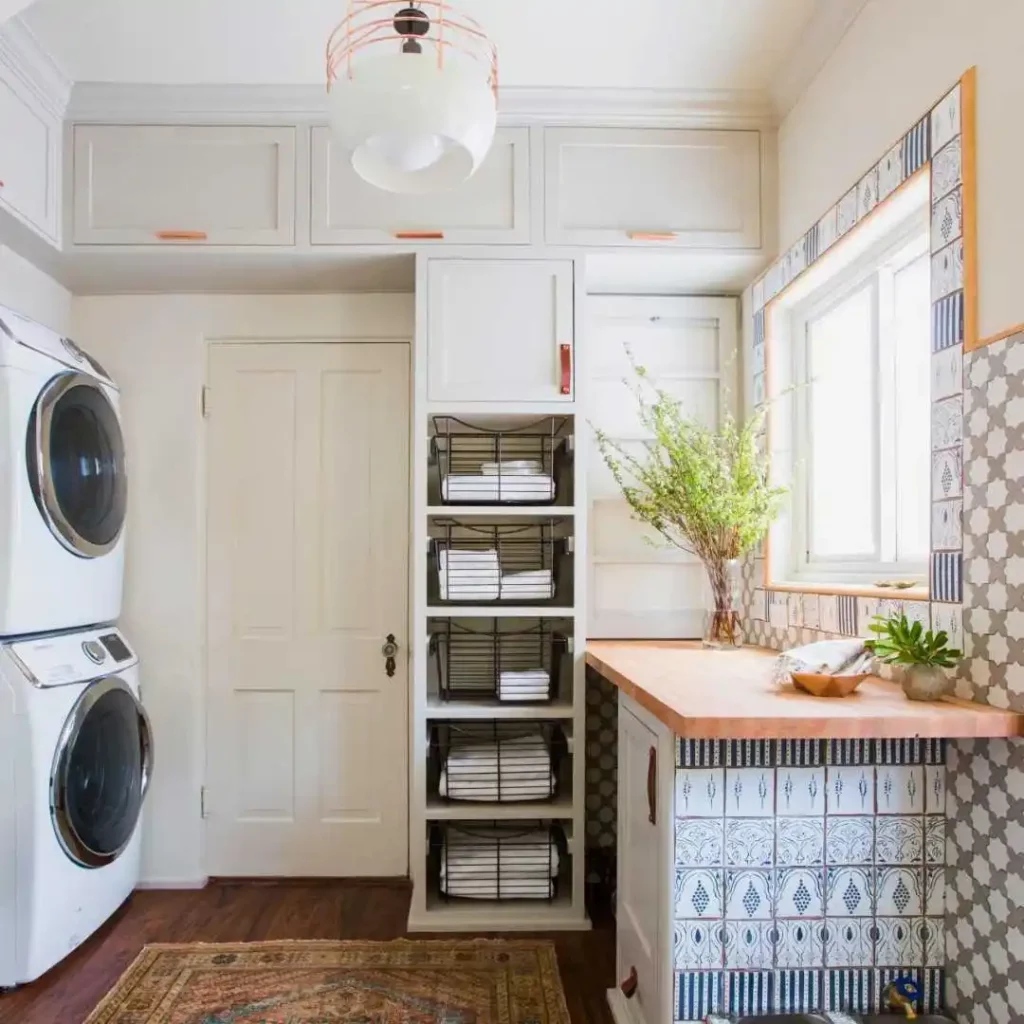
point(181, 236)
point(423, 236)
point(651, 236)
point(629, 986)
point(565, 359)
point(652, 786)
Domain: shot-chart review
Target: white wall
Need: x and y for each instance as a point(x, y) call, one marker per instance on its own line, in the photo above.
point(155, 347)
point(897, 60)
point(29, 291)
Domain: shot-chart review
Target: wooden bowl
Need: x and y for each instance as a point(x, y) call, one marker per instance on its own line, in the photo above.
point(827, 686)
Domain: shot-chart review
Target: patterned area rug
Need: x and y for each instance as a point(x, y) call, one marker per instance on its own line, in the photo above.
point(478, 982)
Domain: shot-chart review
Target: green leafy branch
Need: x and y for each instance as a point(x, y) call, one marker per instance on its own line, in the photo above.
point(904, 643)
point(705, 491)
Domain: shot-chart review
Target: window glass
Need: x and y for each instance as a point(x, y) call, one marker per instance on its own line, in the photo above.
point(841, 429)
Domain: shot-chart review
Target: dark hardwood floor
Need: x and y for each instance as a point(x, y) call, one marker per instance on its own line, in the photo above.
point(238, 912)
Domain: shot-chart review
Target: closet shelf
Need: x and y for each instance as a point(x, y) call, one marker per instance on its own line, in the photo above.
point(497, 610)
point(497, 915)
point(493, 709)
point(502, 511)
point(465, 810)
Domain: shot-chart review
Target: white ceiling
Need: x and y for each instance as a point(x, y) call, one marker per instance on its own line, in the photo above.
point(614, 44)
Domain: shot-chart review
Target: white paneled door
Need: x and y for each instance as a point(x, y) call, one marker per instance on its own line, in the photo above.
point(689, 347)
point(306, 577)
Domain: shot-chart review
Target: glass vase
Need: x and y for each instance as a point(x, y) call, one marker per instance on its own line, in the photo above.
point(722, 623)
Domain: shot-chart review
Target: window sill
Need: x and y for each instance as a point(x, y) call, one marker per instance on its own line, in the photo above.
point(919, 593)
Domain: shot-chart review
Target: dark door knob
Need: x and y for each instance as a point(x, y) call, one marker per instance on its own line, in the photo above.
point(630, 984)
point(389, 650)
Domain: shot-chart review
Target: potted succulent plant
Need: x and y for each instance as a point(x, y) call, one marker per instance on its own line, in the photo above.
point(924, 655)
point(705, 491)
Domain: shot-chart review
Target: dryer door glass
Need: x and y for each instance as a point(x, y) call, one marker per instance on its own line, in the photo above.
point(101, 772)
point(76, 462)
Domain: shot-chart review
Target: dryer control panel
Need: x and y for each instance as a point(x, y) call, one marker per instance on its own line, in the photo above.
point(65, 658)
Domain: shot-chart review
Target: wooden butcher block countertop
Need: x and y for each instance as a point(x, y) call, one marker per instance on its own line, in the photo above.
point(705, 694)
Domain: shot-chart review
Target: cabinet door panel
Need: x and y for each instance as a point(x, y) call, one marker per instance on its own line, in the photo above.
point(498, 330)
point(160, 184)
point(639, 907)
point(493, 206)
point(691, 189)
point(29, 154)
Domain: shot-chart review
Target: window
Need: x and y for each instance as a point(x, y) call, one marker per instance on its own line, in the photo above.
point(852, 361)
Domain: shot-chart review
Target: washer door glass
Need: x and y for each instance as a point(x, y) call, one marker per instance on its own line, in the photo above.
point(101, 772)
point(76, 464)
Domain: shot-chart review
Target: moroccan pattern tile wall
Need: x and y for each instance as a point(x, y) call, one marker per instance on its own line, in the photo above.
point(809, 873)
point(985, 804)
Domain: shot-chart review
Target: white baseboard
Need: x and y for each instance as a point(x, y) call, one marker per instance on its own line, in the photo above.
point(173, 883)
point(622, 1012)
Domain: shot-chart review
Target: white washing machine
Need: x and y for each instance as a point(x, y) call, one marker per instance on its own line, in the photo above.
point(76, 754)
point(63, 485)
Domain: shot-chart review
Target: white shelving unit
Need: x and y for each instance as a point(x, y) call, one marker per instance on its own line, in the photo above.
point(430, 911)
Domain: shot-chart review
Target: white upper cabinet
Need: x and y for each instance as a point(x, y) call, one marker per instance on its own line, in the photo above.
point(500, 330)
point(493, 206)
point(692, 189)
point(168, 184)
point(30, 140)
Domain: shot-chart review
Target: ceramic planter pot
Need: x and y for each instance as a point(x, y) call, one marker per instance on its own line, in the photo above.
point(926, 682)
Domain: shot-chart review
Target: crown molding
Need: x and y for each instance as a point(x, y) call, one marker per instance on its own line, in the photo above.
point(98, 102)
point(22, 53)
point(824, 32)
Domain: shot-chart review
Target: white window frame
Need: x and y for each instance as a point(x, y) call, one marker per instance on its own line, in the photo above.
point(894, 223)
point(875, 271)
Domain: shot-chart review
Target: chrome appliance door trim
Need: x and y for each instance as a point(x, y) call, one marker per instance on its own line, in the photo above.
point(41, 472)
point(72, 844)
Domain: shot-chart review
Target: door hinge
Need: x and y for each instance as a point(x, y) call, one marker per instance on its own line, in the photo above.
point(204, 401)
point(202, 802)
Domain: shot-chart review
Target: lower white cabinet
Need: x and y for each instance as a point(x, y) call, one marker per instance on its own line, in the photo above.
point(30, 148)
point(646, 831)
point(500, 330)
point(192, 184)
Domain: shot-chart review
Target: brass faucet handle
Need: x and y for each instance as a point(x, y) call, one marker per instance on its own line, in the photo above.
point(900, 994)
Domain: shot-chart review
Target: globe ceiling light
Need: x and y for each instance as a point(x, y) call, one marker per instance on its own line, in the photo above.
point(412, 92)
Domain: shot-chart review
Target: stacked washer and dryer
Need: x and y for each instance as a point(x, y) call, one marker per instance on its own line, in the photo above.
point(75, 743)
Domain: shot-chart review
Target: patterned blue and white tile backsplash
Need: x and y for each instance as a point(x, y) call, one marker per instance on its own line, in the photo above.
point(808, 873)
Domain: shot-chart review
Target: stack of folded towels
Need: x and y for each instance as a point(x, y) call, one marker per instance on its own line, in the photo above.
point(474, 575)
point(497, 863)
point(516, 480)
point(825, 658)
point(469, 575)
point(529, 684)
point(490, 769)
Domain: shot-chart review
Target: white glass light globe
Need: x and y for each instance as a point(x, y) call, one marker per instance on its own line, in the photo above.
point(407, 153)
point(412, 126)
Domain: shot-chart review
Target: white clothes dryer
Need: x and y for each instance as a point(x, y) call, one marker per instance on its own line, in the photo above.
point(76, 755)
point(63, 483)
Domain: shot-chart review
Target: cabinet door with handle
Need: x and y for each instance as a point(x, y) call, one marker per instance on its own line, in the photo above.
point(492, 207)
point(500, 330)
point(640, 910)
point(653, 187)
point(184, 184)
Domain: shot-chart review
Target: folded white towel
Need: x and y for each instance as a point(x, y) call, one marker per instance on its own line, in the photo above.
point(512, 790)
point(506, 770)
point(469, 575)
point(512, 467)
point(513, 487)
point(491, 864)
point(532, 684)
point(825, 657)
point(533, 585)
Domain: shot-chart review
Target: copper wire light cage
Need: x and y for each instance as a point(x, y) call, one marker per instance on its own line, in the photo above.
point(412, 90)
